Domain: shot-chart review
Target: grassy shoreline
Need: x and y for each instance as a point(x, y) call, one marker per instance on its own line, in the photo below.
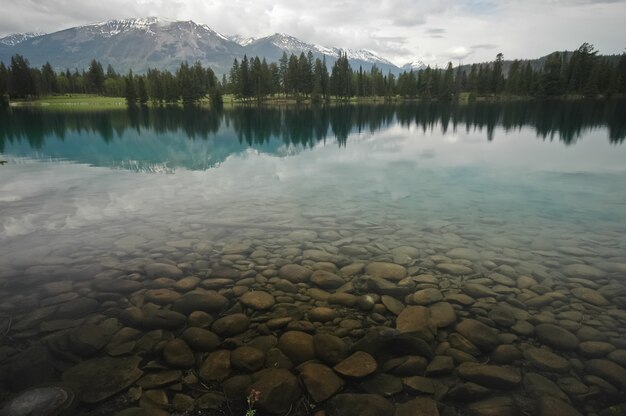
point(96, 102)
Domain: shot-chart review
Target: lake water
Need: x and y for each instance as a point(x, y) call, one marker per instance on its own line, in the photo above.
point(470, 259)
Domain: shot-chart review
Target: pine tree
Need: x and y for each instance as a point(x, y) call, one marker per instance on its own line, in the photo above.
point(4, 84)
point(142, 92)
point(21, 82)
point(95, 77)
point(49, 82)
point(129, 90)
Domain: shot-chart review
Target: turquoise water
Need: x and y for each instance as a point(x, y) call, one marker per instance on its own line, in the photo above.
point(520, 189)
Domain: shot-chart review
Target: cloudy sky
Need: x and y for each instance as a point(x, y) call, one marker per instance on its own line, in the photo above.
point(434, 31)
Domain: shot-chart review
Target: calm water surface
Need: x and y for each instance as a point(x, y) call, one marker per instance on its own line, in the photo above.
point(425, 235)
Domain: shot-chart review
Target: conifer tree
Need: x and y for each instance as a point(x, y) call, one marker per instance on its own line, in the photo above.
point(129, 91)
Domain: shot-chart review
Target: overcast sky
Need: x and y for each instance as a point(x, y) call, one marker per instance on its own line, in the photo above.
point(434, 31)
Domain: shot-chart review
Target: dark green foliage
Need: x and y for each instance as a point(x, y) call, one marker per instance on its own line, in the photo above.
point(4, 79)
point(48, 83)
point(341, 78)
point(95, 78)
point(142, 92)
point(129, 92)
point(582, 72)
point(21, 80)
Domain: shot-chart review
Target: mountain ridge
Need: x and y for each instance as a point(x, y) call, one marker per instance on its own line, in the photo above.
point(154, 42)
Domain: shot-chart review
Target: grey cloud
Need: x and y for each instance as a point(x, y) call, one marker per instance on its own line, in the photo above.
point(484, 46)
point(435, 31)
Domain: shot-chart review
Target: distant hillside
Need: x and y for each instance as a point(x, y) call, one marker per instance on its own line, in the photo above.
point(139, 44)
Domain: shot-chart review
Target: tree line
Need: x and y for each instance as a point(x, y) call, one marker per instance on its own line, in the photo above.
point(189, 83)
point(582, 72)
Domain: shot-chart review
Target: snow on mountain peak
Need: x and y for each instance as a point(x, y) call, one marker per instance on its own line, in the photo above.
point(241, 40)
point(16, 38)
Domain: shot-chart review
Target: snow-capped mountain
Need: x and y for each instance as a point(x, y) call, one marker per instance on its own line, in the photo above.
point(17, 38)
point(291, 44)
point(136, 44)
point(152, 42)
point(242, 40)
point(413, 66)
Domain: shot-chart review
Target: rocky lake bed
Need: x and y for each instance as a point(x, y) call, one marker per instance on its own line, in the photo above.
point(324, 320)
point(418, 259)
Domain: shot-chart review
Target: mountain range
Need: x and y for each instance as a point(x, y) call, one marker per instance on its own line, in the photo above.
point(143, 43)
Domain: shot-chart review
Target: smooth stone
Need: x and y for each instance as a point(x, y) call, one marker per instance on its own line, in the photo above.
point(505, 354)
point(440, 365)
point(298, 346)
point(216, 367)
point(231, 325)
point(278, 390)
point(208, 301)
point(490, 375)
point(341, 298)
point(595, 349)
point(416, 319)
point(609, 371)
point(590, 296)
point(384, 384)
point(39, 401)
point(187, 283)
point(426, 296)
point(329, 348)
point(546, 360)
point(572, 386)
point(463, 253)
point(236, 387)
point(117, 285)
point(384, 270)
point(468, 391)
point(392, 304)
point(479, 334)
point(618, 356)
point(88, 339)
point(159, 379)
point(477, 290)
point(258, 300)
point(556, 337)
point(320, 381)
point(583, 271)
point(494, 406)
point(442, 314)
point(162, 296)
point(201, 339)
point(454, 269)
point(211, 400)
point(76, 308)
point(349, 404)
point(163, 270)
point(236, 248)
point(177, 354)
point(247, 358)
point(419, 406)
point(502, 316)
point(322, 314)
point(153, 318)
point(419, 385)
point(326, 280)
point(537, 386)
point(550, 406)
point(100, 378)
point(295, 273)
point(462, 357)
point(321, 256)
point(302, 235)
point(359, 364)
